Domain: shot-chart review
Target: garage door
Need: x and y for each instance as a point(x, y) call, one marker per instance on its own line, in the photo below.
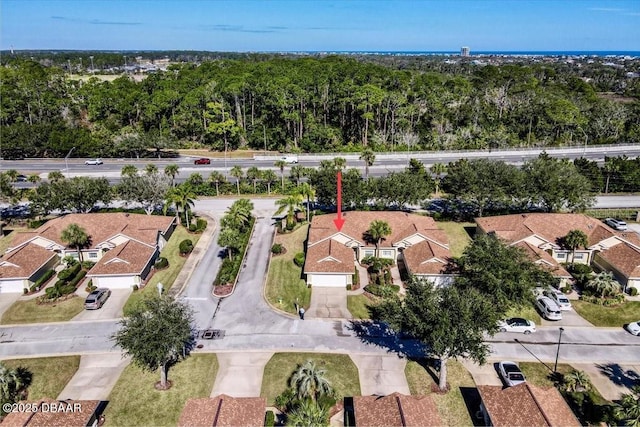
point(327, 280)
point(11, 286)
point(120, 282)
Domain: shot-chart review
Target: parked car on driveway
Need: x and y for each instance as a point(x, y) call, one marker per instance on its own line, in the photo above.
point(616, 224)
point(634, 328)
point(93, 162)
point(510, 373)
point(548, 308)
point(97, 298)
point(559, 298)
point(202, 161)
point(517, 324)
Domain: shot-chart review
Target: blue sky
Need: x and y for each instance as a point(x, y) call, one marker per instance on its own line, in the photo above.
point(295, 25)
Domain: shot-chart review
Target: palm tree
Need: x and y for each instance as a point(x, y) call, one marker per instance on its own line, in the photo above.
point(378, 230)
point(291, 204)
point(34, 178)
point(237, 173)
point(254, 174)
point(438, 169)
point(574, 240)
point(603, 284)
point(611, 167)
point(280, 164)
point(269, 177)
point(628, 411)
point(217, 177)
point(368, 156)
point(309, 381)
point(306, 190)
point(55, 176)
point(229, 238)
point(576, 381)
point(308, 413)
point(13, 382)
point(151, 169)
point(339, 163)
point(129, 170)
point(172, 171)
point(76, 237)
point(298, 172)
point(182, 197)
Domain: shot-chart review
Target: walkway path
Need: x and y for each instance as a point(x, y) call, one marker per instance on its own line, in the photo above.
point(95, 377)
point(381, 374)
point(240, 374)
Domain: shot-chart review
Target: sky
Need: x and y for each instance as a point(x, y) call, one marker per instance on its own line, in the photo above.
point(314, 25)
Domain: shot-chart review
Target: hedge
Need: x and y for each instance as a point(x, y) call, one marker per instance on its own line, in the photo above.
point(299, 259)
point(161, 262)
point(230, 269)
point(78, 278)
point(186, 246)
point(68, 273)
point(382, 291)
point(46, 276)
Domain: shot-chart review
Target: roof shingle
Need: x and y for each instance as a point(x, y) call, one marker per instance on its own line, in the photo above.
point(23, 262)
point(224, 411)
point(395, 410)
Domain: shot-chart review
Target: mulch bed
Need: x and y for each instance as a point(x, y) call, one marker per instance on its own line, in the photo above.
point(158, 385)
point(223, 290)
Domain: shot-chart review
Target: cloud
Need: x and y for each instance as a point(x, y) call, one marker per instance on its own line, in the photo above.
point(606, 9)
point(93, 21)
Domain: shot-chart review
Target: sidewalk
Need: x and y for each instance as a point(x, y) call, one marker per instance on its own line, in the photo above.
point(95, 377)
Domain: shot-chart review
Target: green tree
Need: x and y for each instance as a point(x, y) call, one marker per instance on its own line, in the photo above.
point(377, 231)
point(603, 284)
point(34, 178)
point(291, 204)
point(310, 382)
point(151, 169)
point(129, 170)
point(438, 169)
point(238, 215)
point(55, 176)
point(576, 381)
point(280, 164)
point(628, 411)
point(157, 334)
point(237, 173)
point(307, 191)
point(230, 239)
point(182, 197)
point(573, 240)
point(254, 175)
point(76, 237)
point(368, 157)
point(172, 171)
point(269, 177)
point(217, 177)
point(298, 172)
point(308, 413)
point(12, 174)
point(149, 190)
point(12, 384)
point(449, 321)
point(7, 192)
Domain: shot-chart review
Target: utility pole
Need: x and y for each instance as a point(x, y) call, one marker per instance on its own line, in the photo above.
point(555, 367)
point(66, 162)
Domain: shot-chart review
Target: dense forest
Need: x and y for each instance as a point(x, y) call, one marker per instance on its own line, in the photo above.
point(313, 104)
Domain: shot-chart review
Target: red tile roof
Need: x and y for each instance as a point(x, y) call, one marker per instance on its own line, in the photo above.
point(24, 262)
point(329, 256)
point(54, 413)
point(427, 258)
point(224, 411)
point(526, 405)
point(536, 254)
point(130, 257)
point(623, 257)
point(395, 410)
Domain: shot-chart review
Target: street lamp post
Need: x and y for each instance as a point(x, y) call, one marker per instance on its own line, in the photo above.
point(92, 69)
point(555, 367)
point(66, 160)
point(584, 150)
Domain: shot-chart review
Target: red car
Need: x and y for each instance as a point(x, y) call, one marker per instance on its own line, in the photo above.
point(202, 161)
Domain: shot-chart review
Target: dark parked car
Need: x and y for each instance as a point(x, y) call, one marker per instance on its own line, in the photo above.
point(97, 298)
point(202, 161)
point(21, 178)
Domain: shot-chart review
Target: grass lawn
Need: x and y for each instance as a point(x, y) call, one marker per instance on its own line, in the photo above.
point(608, 316)
point(284, 284)
point(341, 372)
point(357, 306)
point(30, 312)
point(168, 275)
point(457, 234)
point(451, 406)
point(50, 374)
point(135, 402)
point(528, 312)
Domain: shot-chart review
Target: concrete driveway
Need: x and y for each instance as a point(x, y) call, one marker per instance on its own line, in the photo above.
point(240, 374)
point(7, 300)
point(112, 308)
point(611, 380)
point(95, 377)
point(483, 374)
point(569, 318)
point(381, 375)
point(328, 303)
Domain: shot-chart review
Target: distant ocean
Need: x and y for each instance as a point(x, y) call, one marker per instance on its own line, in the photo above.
point(494, 52)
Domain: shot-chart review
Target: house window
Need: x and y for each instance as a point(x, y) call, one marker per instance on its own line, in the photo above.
point(369, 252)
point(387, 254)
point(579, 256)
point(561, 255)
point(93, 255)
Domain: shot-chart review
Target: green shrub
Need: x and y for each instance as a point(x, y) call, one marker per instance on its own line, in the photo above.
point(567, 289)
point(67, 289)
point(201, 224)
point(35, 223)
point(581, 272)
point(276, 249)
point(25, 291)
point(269, 419)
point(69, 261)
point(161, 262)
point(299, 259)
point(88, 265)
point(186, 246)
point(135, 287)
point(43, 279)
point(633, 291)
point(90, 288)
point(192, 228)
point(74, 282)
point(349, 287)
point(383, 291)
point(69, 273)
point(387, 277)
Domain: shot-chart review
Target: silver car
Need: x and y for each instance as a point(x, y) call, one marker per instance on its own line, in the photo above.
point(548, 308)
point(616, 224)
point(634, 328)
point(560, 299)
point(510, 373)
point(93, 162)
point(97, 298)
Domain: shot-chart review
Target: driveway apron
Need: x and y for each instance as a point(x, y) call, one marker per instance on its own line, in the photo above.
point(611, 380)
point(328, 303)
point(381, 375)
point(112, 308)
point(482, 374)
point(95, 377)
point(240, 374)
point(7, 300)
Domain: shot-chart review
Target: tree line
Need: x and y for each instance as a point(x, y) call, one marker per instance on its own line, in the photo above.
point(310, 104)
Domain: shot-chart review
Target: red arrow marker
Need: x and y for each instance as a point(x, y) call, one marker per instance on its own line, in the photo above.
point(339, 222)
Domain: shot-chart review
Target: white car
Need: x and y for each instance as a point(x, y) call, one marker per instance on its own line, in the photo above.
point(510, 373)
point(93, 162)
point(634, 328)
point(548, 308)
point(517, 324)
point(616, 224)
point(289, 158)
point(560, 299)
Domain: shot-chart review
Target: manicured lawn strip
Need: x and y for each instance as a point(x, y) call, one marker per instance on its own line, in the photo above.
point(457, 234)
point(167, 276)
point(527, 312)
point(451, 406)
point(284, 284)
point(341, 372)
point(357, 306)
point(608, 316)
point(50, 374)
point(30, 312)
point(134, 401)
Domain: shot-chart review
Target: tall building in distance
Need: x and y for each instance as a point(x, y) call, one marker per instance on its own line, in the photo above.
point(464, 51)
